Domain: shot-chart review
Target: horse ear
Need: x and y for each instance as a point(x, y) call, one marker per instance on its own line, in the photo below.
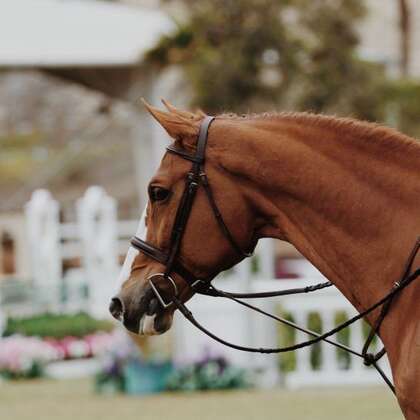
point(198, 115)
point(201, 113)
point(179, 127)
point(174, 110)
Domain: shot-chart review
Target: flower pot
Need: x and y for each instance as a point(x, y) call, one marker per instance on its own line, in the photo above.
point(145, 377)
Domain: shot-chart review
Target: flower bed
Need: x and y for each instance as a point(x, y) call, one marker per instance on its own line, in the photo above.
point(77, 348)
point(211, 373)
point(26, 357)
point(125, 369)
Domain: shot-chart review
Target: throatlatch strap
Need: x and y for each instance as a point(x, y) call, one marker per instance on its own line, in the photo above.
point(219, 218)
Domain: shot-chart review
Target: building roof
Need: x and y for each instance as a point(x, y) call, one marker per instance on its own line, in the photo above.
point(62, 33)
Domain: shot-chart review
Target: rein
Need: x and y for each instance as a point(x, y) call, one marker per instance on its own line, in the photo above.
point(369, 359)
point(197, 177)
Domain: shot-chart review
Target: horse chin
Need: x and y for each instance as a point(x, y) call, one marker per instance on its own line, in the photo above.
point(155, 324)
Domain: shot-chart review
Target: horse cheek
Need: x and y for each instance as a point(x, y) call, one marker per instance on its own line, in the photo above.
point(417, 337)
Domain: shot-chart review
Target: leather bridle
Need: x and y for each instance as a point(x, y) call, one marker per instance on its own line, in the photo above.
point(170, 260)
point(195, 178)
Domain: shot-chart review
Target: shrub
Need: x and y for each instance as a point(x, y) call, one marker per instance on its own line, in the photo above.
point(208, 374)
point(57, 325)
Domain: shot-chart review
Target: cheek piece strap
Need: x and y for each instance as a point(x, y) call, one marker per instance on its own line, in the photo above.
point(195, 178)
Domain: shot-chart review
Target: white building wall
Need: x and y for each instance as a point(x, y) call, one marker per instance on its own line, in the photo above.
point(415, 43)
point(380, 35)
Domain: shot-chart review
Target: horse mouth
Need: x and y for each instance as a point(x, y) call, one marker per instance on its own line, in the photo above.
point(155, 324)
point(148, 318)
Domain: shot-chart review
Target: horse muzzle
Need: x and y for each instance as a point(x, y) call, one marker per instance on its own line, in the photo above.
point(142, 316)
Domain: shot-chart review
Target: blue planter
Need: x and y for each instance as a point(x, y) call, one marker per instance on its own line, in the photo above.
point(142, 378)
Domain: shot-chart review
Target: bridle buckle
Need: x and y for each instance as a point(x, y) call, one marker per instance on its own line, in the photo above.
point(158, 295)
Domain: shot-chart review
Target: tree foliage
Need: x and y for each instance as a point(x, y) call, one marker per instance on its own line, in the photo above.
point(251, 54)
point(224, 48)
point(242, 55)
point(335, 79)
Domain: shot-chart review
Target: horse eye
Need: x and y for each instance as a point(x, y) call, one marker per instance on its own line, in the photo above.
point(158, 193)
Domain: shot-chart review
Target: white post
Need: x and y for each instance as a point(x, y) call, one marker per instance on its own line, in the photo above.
point(356, 342)
point(303, 355)
point(264, 333)
point(3, 320)
point(42, 219)
point(266, 254)
point(329, 360)
point(97, 222)
point(264, 330)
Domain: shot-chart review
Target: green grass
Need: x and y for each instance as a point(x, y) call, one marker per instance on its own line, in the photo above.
point(75, 400)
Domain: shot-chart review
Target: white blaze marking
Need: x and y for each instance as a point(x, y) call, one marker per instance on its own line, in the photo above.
point(132, 252)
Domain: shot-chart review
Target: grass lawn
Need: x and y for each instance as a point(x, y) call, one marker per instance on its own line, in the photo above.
point(75, 400)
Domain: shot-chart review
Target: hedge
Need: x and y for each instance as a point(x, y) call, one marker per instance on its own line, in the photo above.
point(56, 325)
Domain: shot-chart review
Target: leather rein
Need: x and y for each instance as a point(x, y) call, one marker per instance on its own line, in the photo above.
point(197, 177)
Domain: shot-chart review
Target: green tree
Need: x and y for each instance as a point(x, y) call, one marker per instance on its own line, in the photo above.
point(226, 48)
point(335, 79)
point(255, 54)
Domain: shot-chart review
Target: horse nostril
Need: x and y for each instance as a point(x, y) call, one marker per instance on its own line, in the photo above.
point(116, 308)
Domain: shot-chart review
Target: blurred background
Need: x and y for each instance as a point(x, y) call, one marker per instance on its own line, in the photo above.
point(77, 150)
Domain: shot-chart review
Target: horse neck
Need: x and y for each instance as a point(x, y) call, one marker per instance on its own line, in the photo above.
point(345, 194)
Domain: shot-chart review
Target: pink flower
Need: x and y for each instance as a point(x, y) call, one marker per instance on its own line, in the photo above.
point(18, 354)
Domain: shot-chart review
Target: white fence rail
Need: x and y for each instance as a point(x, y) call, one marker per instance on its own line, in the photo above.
point(236, 324)
point(89, 248)
point(97, 239)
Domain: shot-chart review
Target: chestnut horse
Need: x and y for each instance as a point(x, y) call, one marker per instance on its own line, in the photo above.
point(345, 193)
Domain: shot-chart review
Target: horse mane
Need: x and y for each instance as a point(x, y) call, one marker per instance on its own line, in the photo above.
point(369, 131)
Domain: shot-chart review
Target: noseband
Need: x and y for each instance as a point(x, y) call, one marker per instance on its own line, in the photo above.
point(195, 178)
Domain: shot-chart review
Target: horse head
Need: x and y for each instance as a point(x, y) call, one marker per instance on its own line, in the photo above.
point(191, 235)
